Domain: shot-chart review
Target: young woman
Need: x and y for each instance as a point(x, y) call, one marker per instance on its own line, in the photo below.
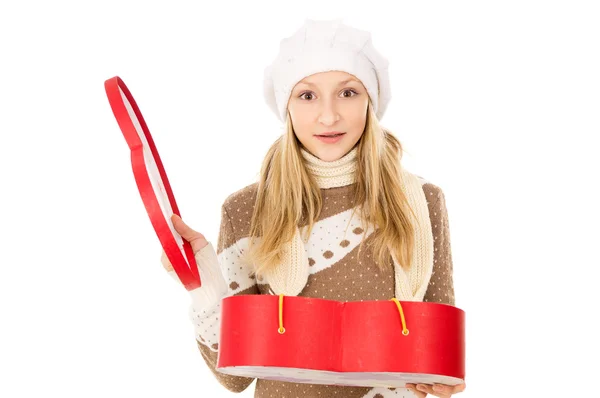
point(334, 215)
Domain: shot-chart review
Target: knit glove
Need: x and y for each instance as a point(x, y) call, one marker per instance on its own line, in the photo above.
point(214, 287)
point(205, 308)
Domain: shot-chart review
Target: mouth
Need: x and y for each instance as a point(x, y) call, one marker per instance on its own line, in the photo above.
point(330, 134)
point(330, 138)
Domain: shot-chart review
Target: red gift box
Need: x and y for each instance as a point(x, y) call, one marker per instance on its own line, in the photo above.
point(363, 343)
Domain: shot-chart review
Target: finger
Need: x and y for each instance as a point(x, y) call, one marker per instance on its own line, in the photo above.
point(182, 228)
point(196, 239)
point(459, 388)
point(426, 388)
point(442, 390)
point(165, 261)
point(413, 388)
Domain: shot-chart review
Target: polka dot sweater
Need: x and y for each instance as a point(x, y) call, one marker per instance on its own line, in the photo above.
point(351, 278)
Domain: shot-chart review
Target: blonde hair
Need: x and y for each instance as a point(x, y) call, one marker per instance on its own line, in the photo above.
point(289, 197)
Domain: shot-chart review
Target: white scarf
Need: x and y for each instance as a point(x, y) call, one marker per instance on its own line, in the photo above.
point(290, 277)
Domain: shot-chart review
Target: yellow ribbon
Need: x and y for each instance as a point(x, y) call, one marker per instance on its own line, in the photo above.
point(404, 329)
point(281, 329)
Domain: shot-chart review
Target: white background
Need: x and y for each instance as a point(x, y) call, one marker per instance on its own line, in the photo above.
point(495, 102)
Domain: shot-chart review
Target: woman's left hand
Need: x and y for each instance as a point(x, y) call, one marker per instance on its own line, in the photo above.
point(437, 390)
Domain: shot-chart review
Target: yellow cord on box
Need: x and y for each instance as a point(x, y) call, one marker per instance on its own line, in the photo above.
point(404, 329)
point(281, 329)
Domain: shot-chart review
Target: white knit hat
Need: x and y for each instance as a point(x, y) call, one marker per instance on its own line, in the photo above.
point(321, 46)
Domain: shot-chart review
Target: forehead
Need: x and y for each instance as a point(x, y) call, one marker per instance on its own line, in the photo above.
point(328, 78)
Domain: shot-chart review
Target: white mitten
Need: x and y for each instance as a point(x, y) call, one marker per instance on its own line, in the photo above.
point(205, 308)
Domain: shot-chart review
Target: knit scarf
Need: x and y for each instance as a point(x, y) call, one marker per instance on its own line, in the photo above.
point(290, 277)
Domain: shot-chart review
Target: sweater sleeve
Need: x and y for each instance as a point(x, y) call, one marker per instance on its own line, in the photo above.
point(441, 285)
point(239, 280)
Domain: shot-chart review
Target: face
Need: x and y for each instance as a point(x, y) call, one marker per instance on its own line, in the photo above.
point(326, 103)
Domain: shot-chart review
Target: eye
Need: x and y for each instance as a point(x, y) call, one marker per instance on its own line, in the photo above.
point(344, 91)
point(306, 92)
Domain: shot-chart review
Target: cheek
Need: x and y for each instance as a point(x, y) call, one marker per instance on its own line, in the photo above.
point(302, 129)
point(357, 113)
point(358, 123)
point(302, 133)
point(301, 120)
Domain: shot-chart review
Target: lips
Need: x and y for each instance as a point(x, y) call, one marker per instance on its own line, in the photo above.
point(330, 134)
point(330, 138)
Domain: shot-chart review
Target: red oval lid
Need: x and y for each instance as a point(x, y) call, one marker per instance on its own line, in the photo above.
point(152, 181)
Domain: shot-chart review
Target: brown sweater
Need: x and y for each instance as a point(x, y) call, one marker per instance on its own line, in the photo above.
point(352, 278)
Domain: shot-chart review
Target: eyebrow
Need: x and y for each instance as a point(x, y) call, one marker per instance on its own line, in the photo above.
point(339, 84)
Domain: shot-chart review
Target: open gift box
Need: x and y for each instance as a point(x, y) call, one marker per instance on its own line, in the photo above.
point(363, 343)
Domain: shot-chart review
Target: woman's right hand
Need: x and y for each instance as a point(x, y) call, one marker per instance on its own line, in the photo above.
point(196, 239)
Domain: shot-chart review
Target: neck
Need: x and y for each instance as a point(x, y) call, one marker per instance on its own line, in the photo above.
point(332, 174)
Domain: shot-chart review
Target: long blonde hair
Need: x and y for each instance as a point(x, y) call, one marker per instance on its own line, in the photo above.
point(289, 197)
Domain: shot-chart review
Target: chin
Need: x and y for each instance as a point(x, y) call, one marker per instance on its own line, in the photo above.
point(332, 154)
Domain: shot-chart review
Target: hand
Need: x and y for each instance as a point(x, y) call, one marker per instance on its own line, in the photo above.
point(196, 239)
point(437, 390)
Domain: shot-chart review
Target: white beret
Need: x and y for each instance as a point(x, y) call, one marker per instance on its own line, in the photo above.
point(321, 46)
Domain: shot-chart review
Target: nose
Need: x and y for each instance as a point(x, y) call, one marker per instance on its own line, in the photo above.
point(328, 114)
